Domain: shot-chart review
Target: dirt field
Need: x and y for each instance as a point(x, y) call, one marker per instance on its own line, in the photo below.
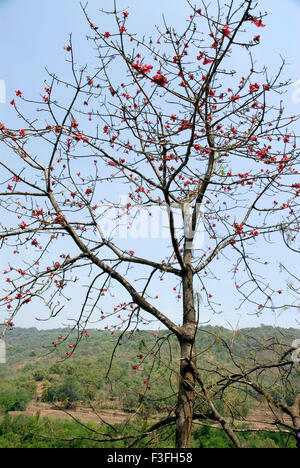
point(259, 418)
point(81, 413)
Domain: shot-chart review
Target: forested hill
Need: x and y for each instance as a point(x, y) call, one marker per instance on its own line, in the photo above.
point(25, 345)
point(40, 372)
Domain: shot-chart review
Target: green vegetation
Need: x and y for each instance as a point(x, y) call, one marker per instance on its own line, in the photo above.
point(13, 399)
point(140, 382)
point(35, 432)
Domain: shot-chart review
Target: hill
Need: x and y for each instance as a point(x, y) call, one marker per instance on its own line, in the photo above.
point(76, 371)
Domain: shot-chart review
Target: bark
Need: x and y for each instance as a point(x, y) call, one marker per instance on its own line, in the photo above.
point(186, 396)
point(186, 393)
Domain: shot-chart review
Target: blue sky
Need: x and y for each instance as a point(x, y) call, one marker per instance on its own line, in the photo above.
point(33, 35)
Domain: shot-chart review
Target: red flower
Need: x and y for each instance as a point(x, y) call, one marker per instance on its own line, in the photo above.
point(107, 34)
point(19, 93)
point(122, 29)
point(141, 69)
point(256, 38)
point(206, 61)
point(254, 87)
point(160, 79)
point(258, 22)
point(59, 219)
point(22, 133)
point(238, 228)
point(226, 30)
point(81, 137)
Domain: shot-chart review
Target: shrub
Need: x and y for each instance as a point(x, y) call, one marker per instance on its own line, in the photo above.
point(12, 399)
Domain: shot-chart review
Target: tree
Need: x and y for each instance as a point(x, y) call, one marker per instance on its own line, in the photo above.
point(12, 399)
point(172, 126)
point(68, 392)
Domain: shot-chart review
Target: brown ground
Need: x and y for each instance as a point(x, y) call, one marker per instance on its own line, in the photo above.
point(81, 413)
point(259, 418)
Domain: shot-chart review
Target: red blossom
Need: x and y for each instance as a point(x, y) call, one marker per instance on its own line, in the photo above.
point(81, 137)
point(258, 22)
point(207, 61)
point(226, 30)
point(177, 58)
point(160, 79)
point(142, 69)
point(238, 228)
point(254, 87)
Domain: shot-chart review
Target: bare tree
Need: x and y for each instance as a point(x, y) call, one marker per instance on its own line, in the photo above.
point(169, 123)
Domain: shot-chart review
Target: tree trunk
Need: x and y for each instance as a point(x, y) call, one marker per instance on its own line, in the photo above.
point(186, 395)
point(186, 392)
